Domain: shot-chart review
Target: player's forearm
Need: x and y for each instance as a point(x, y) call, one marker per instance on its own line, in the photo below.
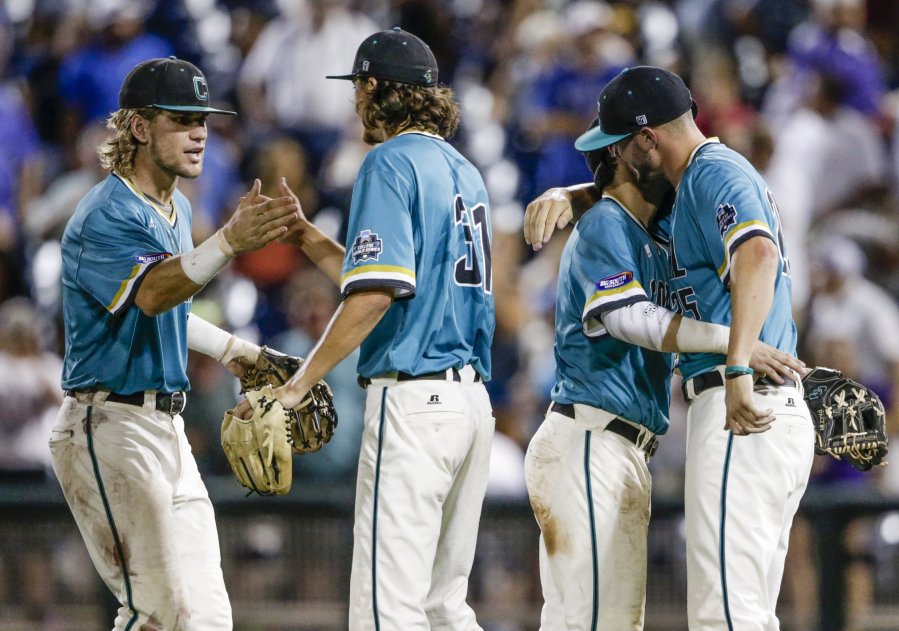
point(204, 337)
point(322, 250)
point(354, 319)
point(752, 277)
point(583, 197)
point(648, 325)
point(177, 278)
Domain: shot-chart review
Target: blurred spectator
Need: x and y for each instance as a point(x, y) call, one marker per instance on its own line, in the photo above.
point(46, 216)
point(809, 173)
point(853, 325)
point(564, 96)
point(20, 164)
point(90, 76)
point(29, 389)
point(272, 266)
point(311, 301)
point(282, 79)
point(833, 40)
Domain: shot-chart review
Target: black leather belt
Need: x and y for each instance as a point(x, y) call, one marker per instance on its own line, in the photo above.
point(714, 379)
point(442, 375)
point(616, 425)
point(172, 403)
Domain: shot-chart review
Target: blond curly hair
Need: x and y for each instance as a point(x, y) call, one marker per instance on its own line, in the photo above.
point(117, 153)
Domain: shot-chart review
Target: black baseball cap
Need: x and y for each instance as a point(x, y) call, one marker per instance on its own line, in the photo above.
point(394, 55)
point(643, 96)
point(167, 84)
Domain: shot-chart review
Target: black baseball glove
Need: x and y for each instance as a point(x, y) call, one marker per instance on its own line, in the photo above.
point(849, 418)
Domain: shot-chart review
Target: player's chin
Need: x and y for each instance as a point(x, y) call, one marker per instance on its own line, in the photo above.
point(191, 167)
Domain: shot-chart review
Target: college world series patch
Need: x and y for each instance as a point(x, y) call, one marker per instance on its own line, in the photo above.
point(366, 247)
point(727, 217)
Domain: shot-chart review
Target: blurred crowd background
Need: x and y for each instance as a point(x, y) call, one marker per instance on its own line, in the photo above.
point(808, 90)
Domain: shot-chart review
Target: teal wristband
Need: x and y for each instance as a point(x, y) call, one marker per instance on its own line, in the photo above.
point(732, 372)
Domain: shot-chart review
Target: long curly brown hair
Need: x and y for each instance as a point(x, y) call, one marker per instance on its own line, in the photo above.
point(117, 153)
point(394, 107)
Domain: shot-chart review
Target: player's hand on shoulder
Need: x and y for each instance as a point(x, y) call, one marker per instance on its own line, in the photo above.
point(259, 219)
point(775, 364)
point(743, 417)
point(550, 212)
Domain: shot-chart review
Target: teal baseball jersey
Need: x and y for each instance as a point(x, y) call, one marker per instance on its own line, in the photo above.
point(609, 262)
point(420, 225)
point(114, 238)
point(722, 201)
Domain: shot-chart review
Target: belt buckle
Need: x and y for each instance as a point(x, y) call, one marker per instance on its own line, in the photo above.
point(177, 401)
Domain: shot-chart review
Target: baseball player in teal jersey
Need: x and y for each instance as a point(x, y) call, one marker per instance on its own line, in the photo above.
point(417, 295)
point(728, 266)
point(129, 271)
point(586, 466)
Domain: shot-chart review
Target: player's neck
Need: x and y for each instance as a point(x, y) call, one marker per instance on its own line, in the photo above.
point(156, 184)
point(629, 196)
point(676, 159)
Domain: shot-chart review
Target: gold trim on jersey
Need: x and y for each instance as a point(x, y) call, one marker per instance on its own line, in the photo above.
point(616, 294)
point(755, 225)
point(169, 216)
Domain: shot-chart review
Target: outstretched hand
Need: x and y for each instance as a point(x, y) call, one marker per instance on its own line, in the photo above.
point(259, 220)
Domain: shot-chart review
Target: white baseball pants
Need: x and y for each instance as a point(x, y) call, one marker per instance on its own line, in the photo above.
point(741, 493)
point(132, 485)
point(423, 469)
point(590, 490)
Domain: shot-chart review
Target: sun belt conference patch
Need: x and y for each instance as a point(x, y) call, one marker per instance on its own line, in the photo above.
point(726, 215)
point(615, 281)
point(366, 247)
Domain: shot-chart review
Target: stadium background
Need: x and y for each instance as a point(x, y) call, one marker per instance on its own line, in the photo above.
point(806, 89)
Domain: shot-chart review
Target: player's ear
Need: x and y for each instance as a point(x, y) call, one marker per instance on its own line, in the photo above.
point(647, 139)
point(140, 129)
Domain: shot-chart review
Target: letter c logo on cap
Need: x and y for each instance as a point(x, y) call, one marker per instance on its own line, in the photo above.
point(201, 89)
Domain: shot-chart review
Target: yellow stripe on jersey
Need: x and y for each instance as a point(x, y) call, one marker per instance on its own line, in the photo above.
point(379, 272)
point(374, 270)
point(735, 233)
point(606, 296)
point(124, 289)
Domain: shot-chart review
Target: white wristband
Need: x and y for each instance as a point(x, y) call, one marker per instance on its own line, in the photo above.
point(204, 337)
point(203, 262)
point(695, 336)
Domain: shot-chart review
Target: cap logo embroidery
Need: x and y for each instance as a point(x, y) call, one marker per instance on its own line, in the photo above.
point(201, 89)
point(641, 119)
point(427, 75)
point(365, 66)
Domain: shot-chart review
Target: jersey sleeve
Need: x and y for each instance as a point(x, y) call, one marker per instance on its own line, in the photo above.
point(115, 256)
point(380, 247)
point(606, 269)
point(730, 211)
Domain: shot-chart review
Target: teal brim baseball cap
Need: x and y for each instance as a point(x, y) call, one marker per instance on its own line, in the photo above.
point(643, 96)
point(167, 84)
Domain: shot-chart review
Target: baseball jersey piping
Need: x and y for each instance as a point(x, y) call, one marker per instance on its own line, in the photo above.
point(721, 535)
point(123, 564)
point(374, 517)
point(592, 518)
